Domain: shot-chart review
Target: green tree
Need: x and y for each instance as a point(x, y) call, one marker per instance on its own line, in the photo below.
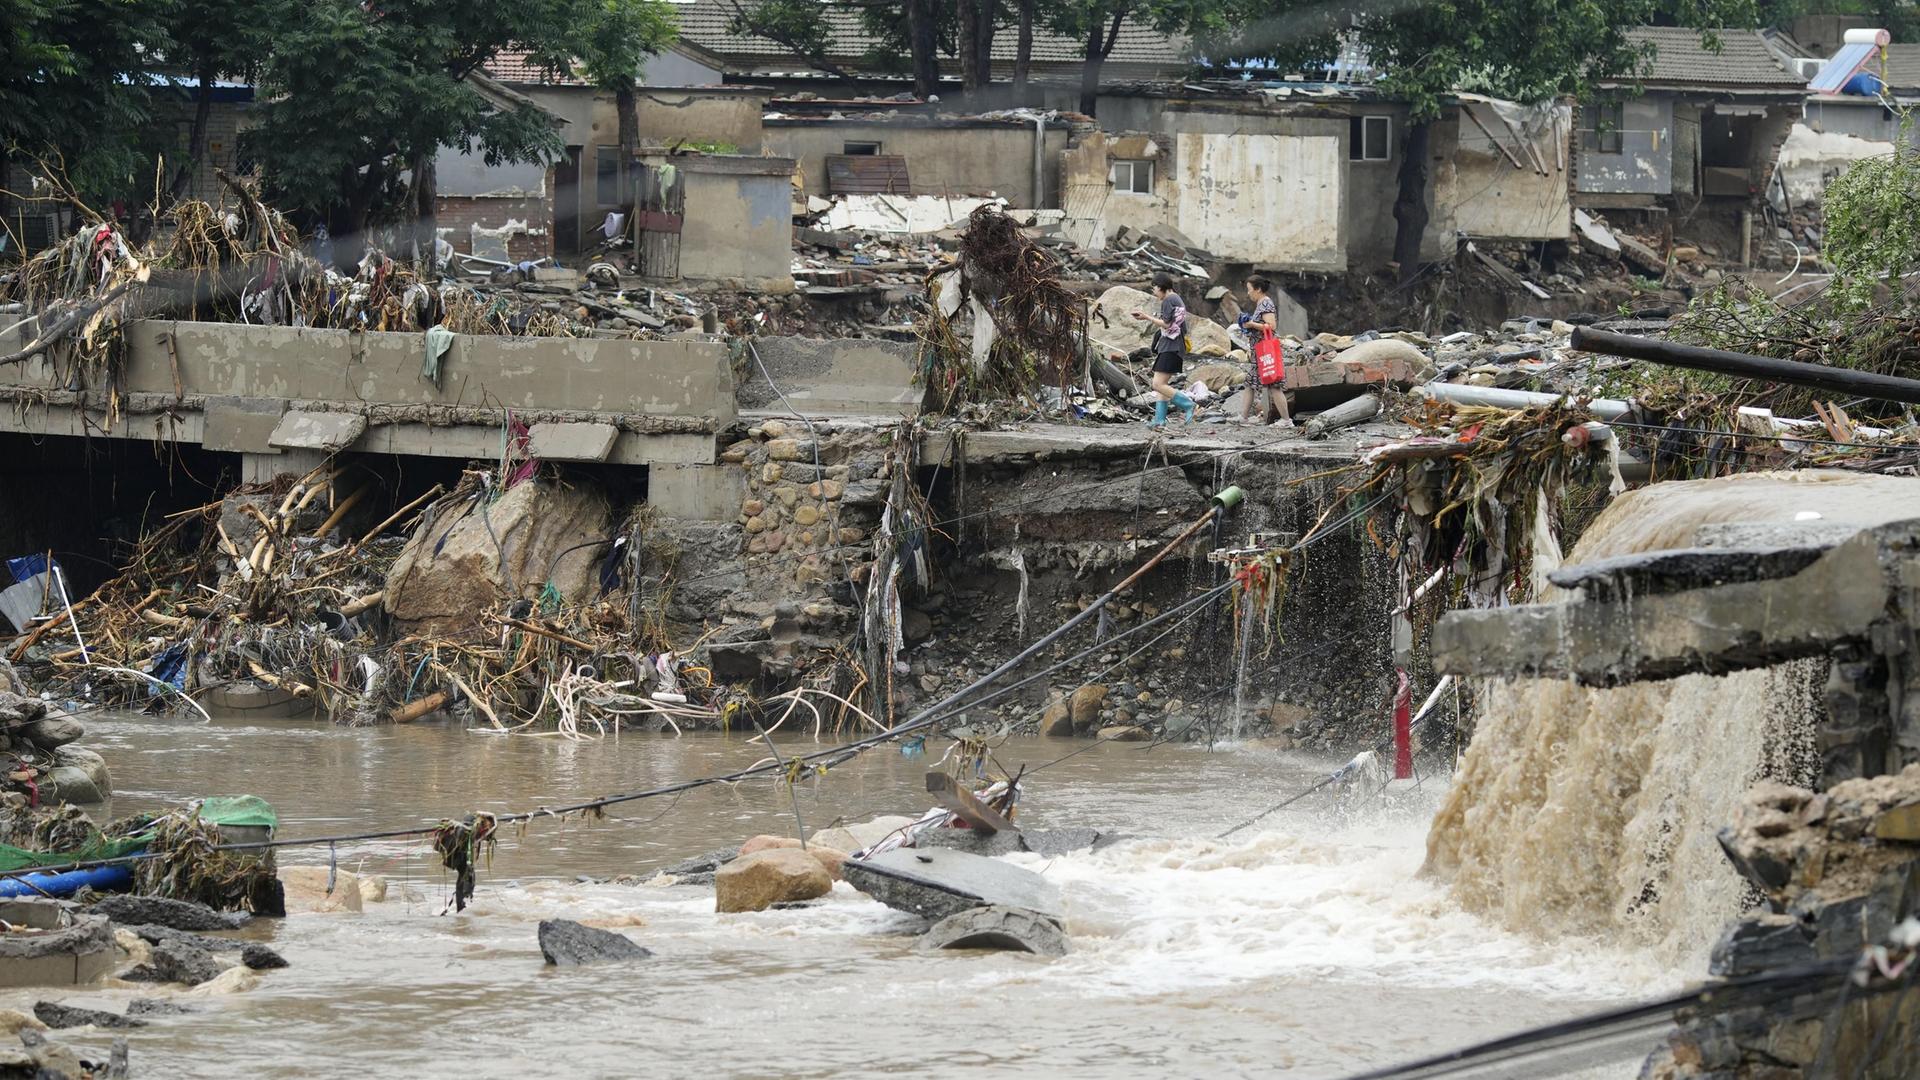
point(623, 36)
point(356, 101)
point(1528, 51)
point(73, 86)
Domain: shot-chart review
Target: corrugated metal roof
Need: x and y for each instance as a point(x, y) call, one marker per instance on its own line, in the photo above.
point(1680, 59)
point(704, 23)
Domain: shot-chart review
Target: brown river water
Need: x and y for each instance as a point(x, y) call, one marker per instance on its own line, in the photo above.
point(1305, 944)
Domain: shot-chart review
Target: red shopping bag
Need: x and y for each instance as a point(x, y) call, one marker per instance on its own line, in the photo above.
point(1269, 359)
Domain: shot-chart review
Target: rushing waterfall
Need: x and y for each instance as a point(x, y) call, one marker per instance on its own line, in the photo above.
point(1593, 812)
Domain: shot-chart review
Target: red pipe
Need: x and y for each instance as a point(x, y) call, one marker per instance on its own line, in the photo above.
point(1403, 730)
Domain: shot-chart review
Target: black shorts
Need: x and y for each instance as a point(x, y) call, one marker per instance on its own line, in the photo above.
point(1169, 362)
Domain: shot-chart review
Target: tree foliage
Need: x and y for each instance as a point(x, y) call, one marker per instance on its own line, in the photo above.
point(1873, 225)
point(73, 85)
point(353, 97)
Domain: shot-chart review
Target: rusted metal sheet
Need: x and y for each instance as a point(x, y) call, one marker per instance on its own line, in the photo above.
point(867, 174)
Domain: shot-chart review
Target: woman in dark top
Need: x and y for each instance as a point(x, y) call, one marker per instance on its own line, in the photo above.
point(1169, 348)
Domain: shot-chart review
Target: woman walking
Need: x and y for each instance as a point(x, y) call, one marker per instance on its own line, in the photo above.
point(1169, 348)
point(1263, 321)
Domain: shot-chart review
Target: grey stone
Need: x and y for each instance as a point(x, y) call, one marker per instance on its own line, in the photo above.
point(1002, 928)
point(260, 958)
point(702, 864)
point(936, 883)
point(1055, 842)
point(56, 1015)
point(154, 935)
point(971, 841)
point(54, 730)
point(128, 910)
point(176, 961)
point(156, 1007)
point(1760, 943)
point(568, 944)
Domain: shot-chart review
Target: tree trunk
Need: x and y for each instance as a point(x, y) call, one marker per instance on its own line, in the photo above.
point(626, 102)
point(1410, 208)
point(197, 139)
point(985, 13)
point(923, 36)
point(426, 220)
point(1023, 56)
point(1090, 70)
point(976, 43)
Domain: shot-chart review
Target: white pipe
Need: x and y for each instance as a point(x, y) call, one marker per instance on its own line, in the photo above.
point(60, 579)
point(1463, 394)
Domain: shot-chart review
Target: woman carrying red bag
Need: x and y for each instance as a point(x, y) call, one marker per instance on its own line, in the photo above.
point(1262, 327)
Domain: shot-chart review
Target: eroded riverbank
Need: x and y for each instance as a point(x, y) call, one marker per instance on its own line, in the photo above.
point(1307, 944)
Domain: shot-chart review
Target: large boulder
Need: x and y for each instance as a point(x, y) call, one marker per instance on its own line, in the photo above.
point(177, 961)
point(462, 561)
point(758, 881)
point(80, 776)
point(306, 890)
point(53, 730)
point(565, 943)
point(1123, 333)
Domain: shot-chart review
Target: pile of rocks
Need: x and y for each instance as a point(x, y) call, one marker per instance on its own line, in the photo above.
point(38, 738)
point(1839, 870)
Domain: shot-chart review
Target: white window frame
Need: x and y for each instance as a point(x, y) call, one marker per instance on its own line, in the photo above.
point(1357, 151)
point(1133, 168)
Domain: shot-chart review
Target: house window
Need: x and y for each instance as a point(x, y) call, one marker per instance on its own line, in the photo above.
point(863, 149)
point(606, 175)
point(1602, 130)
point(1369, 138)
point(1133, 176)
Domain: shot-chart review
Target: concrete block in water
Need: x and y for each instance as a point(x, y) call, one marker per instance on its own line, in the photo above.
point(936, 883)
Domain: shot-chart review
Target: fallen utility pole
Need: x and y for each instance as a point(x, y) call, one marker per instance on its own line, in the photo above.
point(1833, 380)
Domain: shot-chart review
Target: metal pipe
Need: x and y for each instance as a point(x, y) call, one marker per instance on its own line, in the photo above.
point(1841, 381)
point(1463, 394)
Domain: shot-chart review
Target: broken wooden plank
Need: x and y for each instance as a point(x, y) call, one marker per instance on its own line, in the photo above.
point(960, 801)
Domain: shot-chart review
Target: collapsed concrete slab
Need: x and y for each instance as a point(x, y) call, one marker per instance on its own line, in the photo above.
point(937, 883)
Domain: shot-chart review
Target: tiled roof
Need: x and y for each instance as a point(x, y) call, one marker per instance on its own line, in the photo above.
point(1680, 59)
point(509, 66)
point(704, 23)
point(1903, 67)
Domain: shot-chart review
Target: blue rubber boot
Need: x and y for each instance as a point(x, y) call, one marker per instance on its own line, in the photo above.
point(1185, 404)
point(1159, 413)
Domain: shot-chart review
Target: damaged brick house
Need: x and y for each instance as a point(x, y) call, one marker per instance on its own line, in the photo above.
point(1297, 175)
point(1695, 139)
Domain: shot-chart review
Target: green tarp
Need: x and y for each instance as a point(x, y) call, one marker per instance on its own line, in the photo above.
point(232, 810)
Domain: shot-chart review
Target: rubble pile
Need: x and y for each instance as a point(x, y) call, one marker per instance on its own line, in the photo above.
point(1838, 870)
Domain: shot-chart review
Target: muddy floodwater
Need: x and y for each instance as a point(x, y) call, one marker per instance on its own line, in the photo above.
point(1306, 944)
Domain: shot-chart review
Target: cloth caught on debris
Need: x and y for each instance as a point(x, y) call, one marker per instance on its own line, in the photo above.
point(439, 340)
